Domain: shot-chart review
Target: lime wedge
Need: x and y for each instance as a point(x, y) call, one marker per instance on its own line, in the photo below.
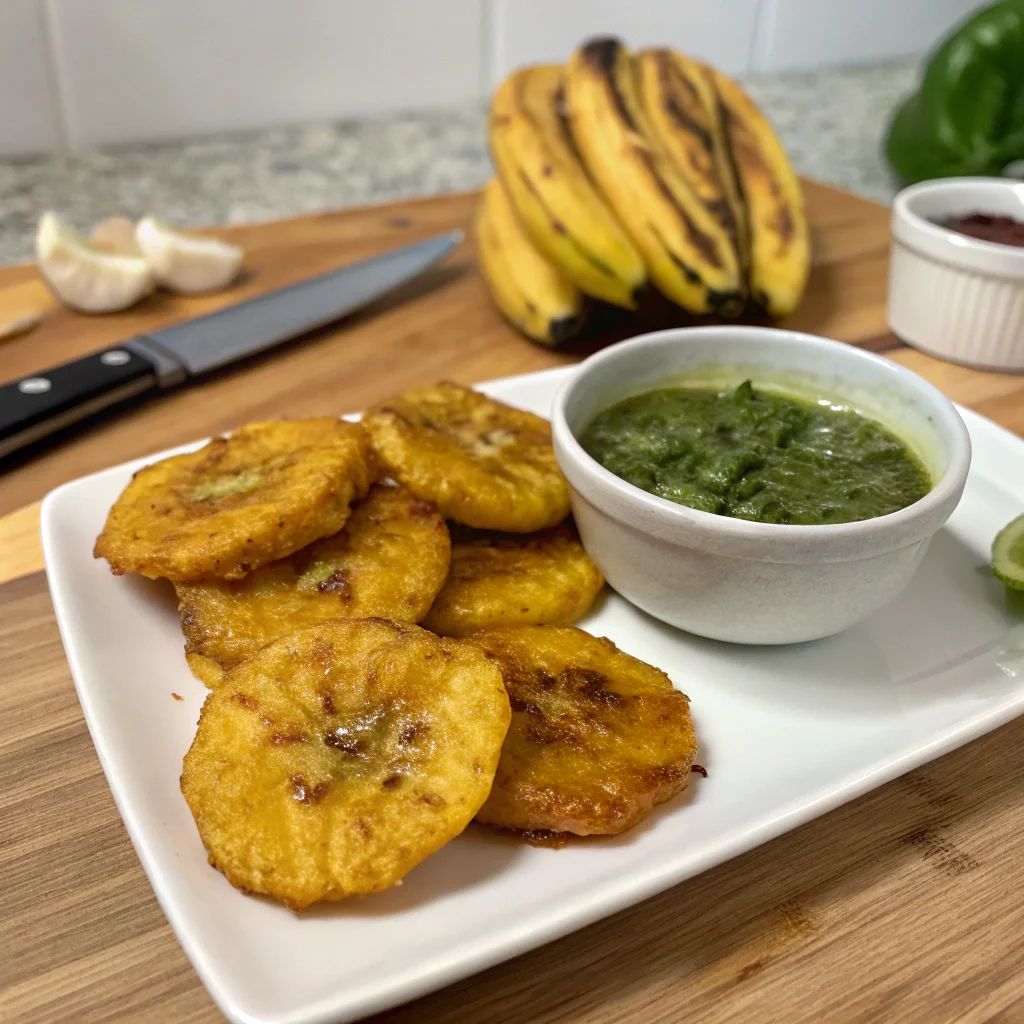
point(1008, 554)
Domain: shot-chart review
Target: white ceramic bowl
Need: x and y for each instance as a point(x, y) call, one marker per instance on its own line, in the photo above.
point(746, 582)
point(957, 297)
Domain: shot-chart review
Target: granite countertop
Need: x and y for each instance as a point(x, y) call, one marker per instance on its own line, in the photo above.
point(830, 122)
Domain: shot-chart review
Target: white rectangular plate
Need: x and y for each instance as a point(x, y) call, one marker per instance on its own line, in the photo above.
point(785, 733)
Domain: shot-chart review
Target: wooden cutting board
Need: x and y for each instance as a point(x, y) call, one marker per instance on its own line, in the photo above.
point(903, 906)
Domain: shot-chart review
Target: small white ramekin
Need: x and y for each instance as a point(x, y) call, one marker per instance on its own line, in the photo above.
point(957, 297)
point(729, 579)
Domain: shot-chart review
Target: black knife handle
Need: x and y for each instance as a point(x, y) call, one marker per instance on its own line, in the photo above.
point(39, 405)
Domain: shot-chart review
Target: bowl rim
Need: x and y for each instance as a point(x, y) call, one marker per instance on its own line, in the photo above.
point(739, 537)
point(927, 238)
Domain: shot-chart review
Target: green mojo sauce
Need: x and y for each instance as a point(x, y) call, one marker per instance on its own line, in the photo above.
point(757, 455)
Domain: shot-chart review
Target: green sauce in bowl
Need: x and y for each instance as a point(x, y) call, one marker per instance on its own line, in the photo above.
point(757, 455)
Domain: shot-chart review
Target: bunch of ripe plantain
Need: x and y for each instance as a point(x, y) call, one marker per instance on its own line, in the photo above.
point(623, 170)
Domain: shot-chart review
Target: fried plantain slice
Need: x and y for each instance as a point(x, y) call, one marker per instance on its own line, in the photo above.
point(484, 464)
point(389, 560)
point(501, 579)
point(597, 737)
point(239, 502)
point(340, 756)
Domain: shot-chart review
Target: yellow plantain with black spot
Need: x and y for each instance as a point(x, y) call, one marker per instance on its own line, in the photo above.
point(531, 292)
point(777, 229)
point(681, 103)
point(691, 257)
point(557, 204)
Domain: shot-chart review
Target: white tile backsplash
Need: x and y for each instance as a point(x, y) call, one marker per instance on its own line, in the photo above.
point(151, 69)
point(134, 70)
point(29, 121)
point(803, 34)
point(536, 31)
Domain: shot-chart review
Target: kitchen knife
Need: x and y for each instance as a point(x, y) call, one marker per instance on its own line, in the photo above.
point(39, 405)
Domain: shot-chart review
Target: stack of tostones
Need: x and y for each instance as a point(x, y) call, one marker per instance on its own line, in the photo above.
point(516, 558)
point(342, 743)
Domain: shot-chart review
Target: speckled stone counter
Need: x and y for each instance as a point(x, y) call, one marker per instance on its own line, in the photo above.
point(830, 122)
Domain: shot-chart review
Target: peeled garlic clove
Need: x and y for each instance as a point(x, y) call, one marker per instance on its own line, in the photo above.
point(85, 278)
point(116, 234)
point(184, 263)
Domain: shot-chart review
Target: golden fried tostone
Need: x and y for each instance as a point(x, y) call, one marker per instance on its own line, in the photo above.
point(337, 758)
point(389, 560)
point(597, 737)
point(484, 464)
point(238, 502)
point(506, 579)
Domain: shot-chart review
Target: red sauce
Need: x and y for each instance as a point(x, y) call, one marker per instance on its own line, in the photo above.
point(988, 227)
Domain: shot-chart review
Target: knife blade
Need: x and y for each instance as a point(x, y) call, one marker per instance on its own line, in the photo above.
point(36, 406)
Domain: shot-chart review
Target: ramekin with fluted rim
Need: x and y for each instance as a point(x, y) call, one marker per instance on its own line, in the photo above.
point(747, 582)
point(957, 297)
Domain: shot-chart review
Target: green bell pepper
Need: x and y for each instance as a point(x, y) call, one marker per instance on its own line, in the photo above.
point(967, 117)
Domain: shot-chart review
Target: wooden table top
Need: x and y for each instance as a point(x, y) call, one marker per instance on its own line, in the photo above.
point(902, 906)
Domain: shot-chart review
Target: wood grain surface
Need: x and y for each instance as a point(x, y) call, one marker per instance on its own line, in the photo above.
point(902, 906)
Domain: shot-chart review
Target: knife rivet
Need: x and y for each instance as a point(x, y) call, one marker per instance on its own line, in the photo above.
point(34, 386)
point(115, 357)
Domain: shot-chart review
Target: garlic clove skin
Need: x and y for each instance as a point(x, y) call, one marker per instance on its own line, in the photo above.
point(85, 278)
point(187, 264)
point(115, 234)
point(20, 325)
